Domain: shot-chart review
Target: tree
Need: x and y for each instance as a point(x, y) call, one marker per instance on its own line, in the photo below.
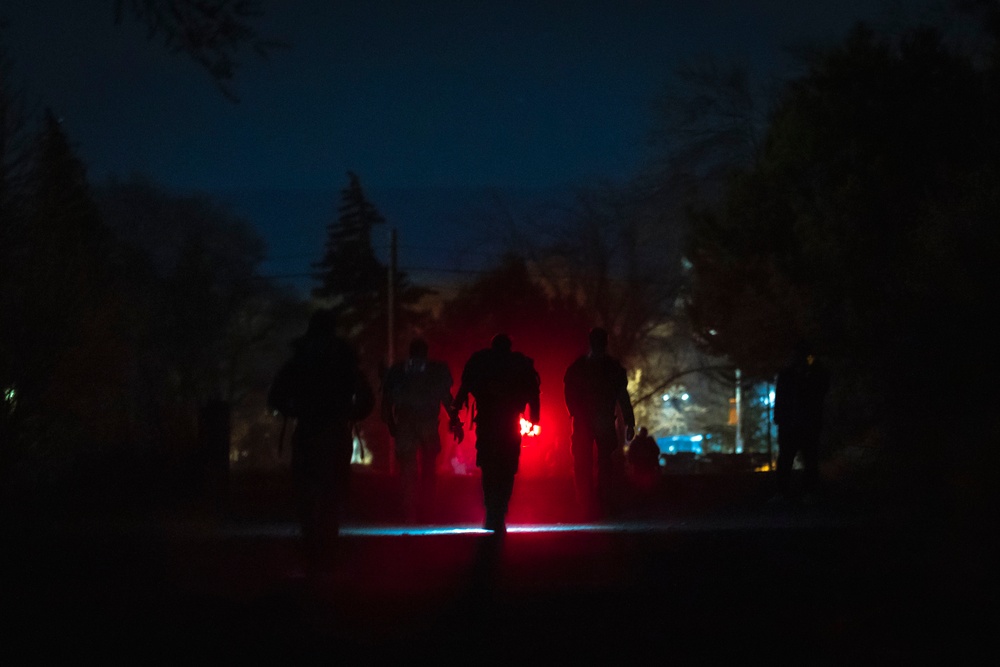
point(194, 268)
point(62, 267)
point(613, 254)
point(708, 123)
point(210, 32)
point(206, 332)
point(355, 282)
point(868, 227)
point(63, 357)
point(16, 144)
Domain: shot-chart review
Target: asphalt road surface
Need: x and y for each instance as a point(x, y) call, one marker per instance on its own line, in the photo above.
point(703, 571)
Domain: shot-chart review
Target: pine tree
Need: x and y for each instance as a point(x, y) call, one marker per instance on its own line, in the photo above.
point(63, 248)
point(61, 341)
point(350, 275)
point(354, 281)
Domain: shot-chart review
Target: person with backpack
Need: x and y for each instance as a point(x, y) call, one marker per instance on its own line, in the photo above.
point(595, 386)
point(413, 393)
point(324, 390)
point(501, 383)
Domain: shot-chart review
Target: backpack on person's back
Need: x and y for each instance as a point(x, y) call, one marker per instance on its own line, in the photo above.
point(320, 382)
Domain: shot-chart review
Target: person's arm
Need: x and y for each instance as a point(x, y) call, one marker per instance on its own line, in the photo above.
point(363, 399)
point(461, 399)
point(625, 405)
point(446, 398)
point(454, 421)
point(386, 408)
point(534, 409)
point(534, 398)
point(780, 389)
point(571, 393)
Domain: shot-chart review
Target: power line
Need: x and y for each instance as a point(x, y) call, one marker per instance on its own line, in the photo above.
point(410, 270)
point(272, 258)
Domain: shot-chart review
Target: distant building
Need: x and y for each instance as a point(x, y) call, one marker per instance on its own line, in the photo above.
point(676, 444)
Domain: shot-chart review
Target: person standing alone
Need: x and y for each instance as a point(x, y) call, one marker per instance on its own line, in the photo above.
point(502, 382)
point(595, 385)
point(799, 395)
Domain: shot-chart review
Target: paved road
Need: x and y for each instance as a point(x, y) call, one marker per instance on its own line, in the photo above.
point(702, 572)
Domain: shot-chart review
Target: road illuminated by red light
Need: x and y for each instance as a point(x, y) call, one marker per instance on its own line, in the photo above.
point(728, 521)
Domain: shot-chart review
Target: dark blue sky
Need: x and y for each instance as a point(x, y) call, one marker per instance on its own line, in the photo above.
point(419, 98)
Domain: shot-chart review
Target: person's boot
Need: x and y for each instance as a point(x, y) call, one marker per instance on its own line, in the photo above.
point(494, 522)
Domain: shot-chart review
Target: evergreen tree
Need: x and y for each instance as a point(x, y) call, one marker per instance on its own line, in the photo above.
point(355, 282)
point(63, 352)
point(62, 263)
point(15, 152)
point(868, 227)
point(350, 275)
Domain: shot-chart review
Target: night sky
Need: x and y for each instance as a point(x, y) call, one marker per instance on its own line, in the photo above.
point(433, 104)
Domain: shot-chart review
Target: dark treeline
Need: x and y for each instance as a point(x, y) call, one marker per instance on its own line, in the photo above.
point(859, 213)
point(132, 320)
point(866, 222)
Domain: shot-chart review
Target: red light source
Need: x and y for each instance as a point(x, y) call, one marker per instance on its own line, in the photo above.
point(529, 429)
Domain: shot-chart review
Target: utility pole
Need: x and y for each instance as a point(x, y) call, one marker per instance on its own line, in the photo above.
point(391, 306)
point(739, 416)
point(391, 321)
point(770, 425)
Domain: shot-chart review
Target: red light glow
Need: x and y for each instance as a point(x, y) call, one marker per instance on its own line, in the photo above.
point(529, 429)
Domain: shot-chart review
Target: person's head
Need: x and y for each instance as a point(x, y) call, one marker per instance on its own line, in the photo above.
point(598, 340)
point(418, 348)
point(501, 343)
point(642, 432)
point(803, 352)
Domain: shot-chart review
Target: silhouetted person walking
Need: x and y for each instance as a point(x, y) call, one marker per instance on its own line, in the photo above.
point(799, 395)
point(502, 382)
point(413, 393)
point(323, 388)
point(595, 385)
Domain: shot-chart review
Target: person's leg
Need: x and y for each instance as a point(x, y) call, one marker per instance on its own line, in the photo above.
point(427, 483)
point(508, 470)
point(606, 443)
point(321, 468)
point(408, 486)
point(305, 513)
point(305, 493)
point(485, 460)
point(505, 489)
point(810, 464)
point(498, 487)
point(332, 501)
point(497, 458)
point(492, 496)
point(406, 445)
point(430, 448)
point(583, 465)
point(789, 443)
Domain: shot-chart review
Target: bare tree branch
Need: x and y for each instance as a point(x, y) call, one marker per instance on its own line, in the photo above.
point(211, 32)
